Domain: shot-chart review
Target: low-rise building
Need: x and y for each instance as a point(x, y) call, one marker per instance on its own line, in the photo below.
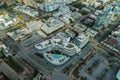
point(88, 22)
point(91, 33)
point(21, 34)
point(27, 10)
point(42, 34)
point(5, 50)
point(113, 41)
point(76, 15)
point(64, 14)
point(29, 2)
point(80, 27)
point(56, 52)
point(6, 21)
point(38, 77)
point(60, 48)
point(106, 16)
point(96, 4)
point(18, 35)
point(52, 25)
point(82, 40)
point(52, 5)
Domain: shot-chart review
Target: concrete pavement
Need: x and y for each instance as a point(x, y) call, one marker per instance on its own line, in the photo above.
point(8, 71)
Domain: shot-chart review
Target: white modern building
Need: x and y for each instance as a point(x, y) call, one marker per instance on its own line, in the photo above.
point(20, 34)
point(6, 21)
point(51, 5)
point(82, 40)
point(27, 10)
point(56, 52)
point(55, 58)
point(60, 48)
point(52, 25)
point(69, 49)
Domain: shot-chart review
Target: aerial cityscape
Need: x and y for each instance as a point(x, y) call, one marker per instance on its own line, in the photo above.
point(59, 39)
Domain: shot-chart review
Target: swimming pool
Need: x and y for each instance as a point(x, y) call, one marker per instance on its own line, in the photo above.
point(56, 56)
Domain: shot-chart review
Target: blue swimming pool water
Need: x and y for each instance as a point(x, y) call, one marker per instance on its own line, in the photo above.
point(56, 56)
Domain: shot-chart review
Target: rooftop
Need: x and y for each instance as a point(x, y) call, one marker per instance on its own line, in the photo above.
point(118, 74)
point(52, 25)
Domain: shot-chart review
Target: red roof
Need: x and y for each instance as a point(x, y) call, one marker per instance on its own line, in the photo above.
point(112, 41)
